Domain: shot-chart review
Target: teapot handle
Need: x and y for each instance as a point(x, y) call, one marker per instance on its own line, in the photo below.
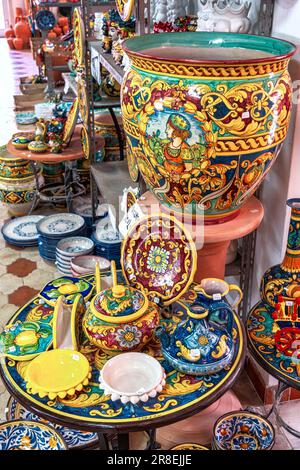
point(233, 287)
point(214, 311)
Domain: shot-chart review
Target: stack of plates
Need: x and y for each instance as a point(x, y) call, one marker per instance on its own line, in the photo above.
point(22, 231)
point(56, 227)
point(242, 430)
point(108, 245)
point(83, 207)
point(70, 248)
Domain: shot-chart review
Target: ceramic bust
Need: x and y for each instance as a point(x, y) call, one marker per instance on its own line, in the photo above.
point(167, 10)
point(224, 16)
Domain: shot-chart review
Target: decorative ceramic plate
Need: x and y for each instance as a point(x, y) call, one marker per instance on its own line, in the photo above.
point(79, 37)
point(159, 257)
point(71, 122)
point(83, 102)
point(26, 118)
point(189, 446)
point(22, 229)
point(45, 20)
point(68, 371)
point(29, 435)
point(70, 287)
point(57, 225)
point(74, 439)
point(23, 341)
point(243, 431)
point(125, 8)
point(85, 142)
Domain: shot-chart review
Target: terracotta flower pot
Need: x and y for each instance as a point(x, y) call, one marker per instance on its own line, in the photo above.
point(57, 30)
point(10, 42)
point(52, 35)
point(22, 31)
point(63, 21)
point(205, 116)
point(9, 32)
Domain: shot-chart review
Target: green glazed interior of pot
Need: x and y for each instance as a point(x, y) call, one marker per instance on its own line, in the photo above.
point(208, 47)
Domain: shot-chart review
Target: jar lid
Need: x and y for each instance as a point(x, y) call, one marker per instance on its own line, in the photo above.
point(119, 304)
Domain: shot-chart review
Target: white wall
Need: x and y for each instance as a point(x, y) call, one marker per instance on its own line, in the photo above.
point(287, 17)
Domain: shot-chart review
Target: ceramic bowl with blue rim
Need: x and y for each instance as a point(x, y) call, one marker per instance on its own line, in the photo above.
point(60, 225)
point(74, 439)
point(30, 435)
point(22, 230)
point(242, 430)
point(74, 246)
point(45, 20)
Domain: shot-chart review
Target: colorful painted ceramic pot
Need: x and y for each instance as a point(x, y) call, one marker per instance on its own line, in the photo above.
point(198, 342)
point(13, 168)
point(120, 318)
point(37, 147)
point(147, 377)
point(281, 283)
point(20, 140)
point(18, 196)
point(30, 435)
point(206, 129)
point(242, 430)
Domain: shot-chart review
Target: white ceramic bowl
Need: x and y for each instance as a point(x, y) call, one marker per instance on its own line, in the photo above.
point(74, 246)
point(86, 264)
point(132, 377)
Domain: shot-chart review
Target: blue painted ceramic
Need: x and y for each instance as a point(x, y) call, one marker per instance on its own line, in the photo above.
point(29, 435)
point(67, 286)
point(45, 20)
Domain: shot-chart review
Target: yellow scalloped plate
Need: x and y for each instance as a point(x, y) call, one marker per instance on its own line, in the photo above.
point(125, 8)
point(79, 37)
point(70, 124)
point(59, 372)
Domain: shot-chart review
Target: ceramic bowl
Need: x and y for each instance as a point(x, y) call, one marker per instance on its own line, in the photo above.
point(74, 246)
point(26, 118)
point(243, 430)
point(86, 264)
point(30, 435)
point(68, 372)
point(147, 377)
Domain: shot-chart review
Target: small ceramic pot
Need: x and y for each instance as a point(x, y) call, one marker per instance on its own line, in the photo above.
point(20, 140)
point(12, 168)
point(18, 196)
point(147, 378)
point(120, 319)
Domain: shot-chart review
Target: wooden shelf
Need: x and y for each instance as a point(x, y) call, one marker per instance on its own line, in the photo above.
point(101, 58)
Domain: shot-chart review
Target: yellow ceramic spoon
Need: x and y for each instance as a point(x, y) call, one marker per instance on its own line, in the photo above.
point(98, 278)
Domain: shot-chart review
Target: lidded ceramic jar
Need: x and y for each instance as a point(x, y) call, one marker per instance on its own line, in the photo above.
point(120, 319)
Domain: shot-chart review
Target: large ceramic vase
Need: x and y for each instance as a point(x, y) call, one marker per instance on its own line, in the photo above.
point(281, 283)
point(205, 115)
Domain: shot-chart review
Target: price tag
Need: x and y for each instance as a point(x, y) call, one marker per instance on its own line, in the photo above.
point(132, 216)
point(289, 303)
point(217, 297)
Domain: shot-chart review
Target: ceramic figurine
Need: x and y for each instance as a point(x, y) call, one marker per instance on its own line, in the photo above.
point(224, 15)
point(107, 44)
point(281, 283)
point(197, 109)
point(55, 143)
point(121, 318)
point(200, 341)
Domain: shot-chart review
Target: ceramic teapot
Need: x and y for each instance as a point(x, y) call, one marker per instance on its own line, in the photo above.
point(200, 342)
point(120, 318)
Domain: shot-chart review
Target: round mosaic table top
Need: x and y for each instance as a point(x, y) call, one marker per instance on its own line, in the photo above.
point(72, 152)
point(261, 341)
point(91, 410)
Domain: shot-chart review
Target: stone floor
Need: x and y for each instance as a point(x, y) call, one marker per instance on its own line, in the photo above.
point(23, 273)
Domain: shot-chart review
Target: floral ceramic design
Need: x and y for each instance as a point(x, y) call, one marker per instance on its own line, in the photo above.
point(45, 20)
point(70, 287)
point(120, 319)
point(71, 122)
point(277, 354)
point(200, 128)
point(22, 228)
point(243, 431)
point(159, 257)
point(24, 341)
point(74, 439)
point(28, 435)
point(92, 407)
point(57, 224)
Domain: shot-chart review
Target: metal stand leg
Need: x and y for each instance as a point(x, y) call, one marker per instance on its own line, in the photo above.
point(36, 197)
point(118, 130)
point(275, 409)
point(103, 442)
point(123, 441)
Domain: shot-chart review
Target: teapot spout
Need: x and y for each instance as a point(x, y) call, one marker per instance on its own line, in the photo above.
point(163, 336)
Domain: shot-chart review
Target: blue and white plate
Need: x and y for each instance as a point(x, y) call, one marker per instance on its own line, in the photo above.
point(30, 435)
point(59, 225)
point(45, 20)
point(22, 229)
point(26, 118)
point(73, 438)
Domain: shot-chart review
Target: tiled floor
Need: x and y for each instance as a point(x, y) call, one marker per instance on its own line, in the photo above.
point(23, 273)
